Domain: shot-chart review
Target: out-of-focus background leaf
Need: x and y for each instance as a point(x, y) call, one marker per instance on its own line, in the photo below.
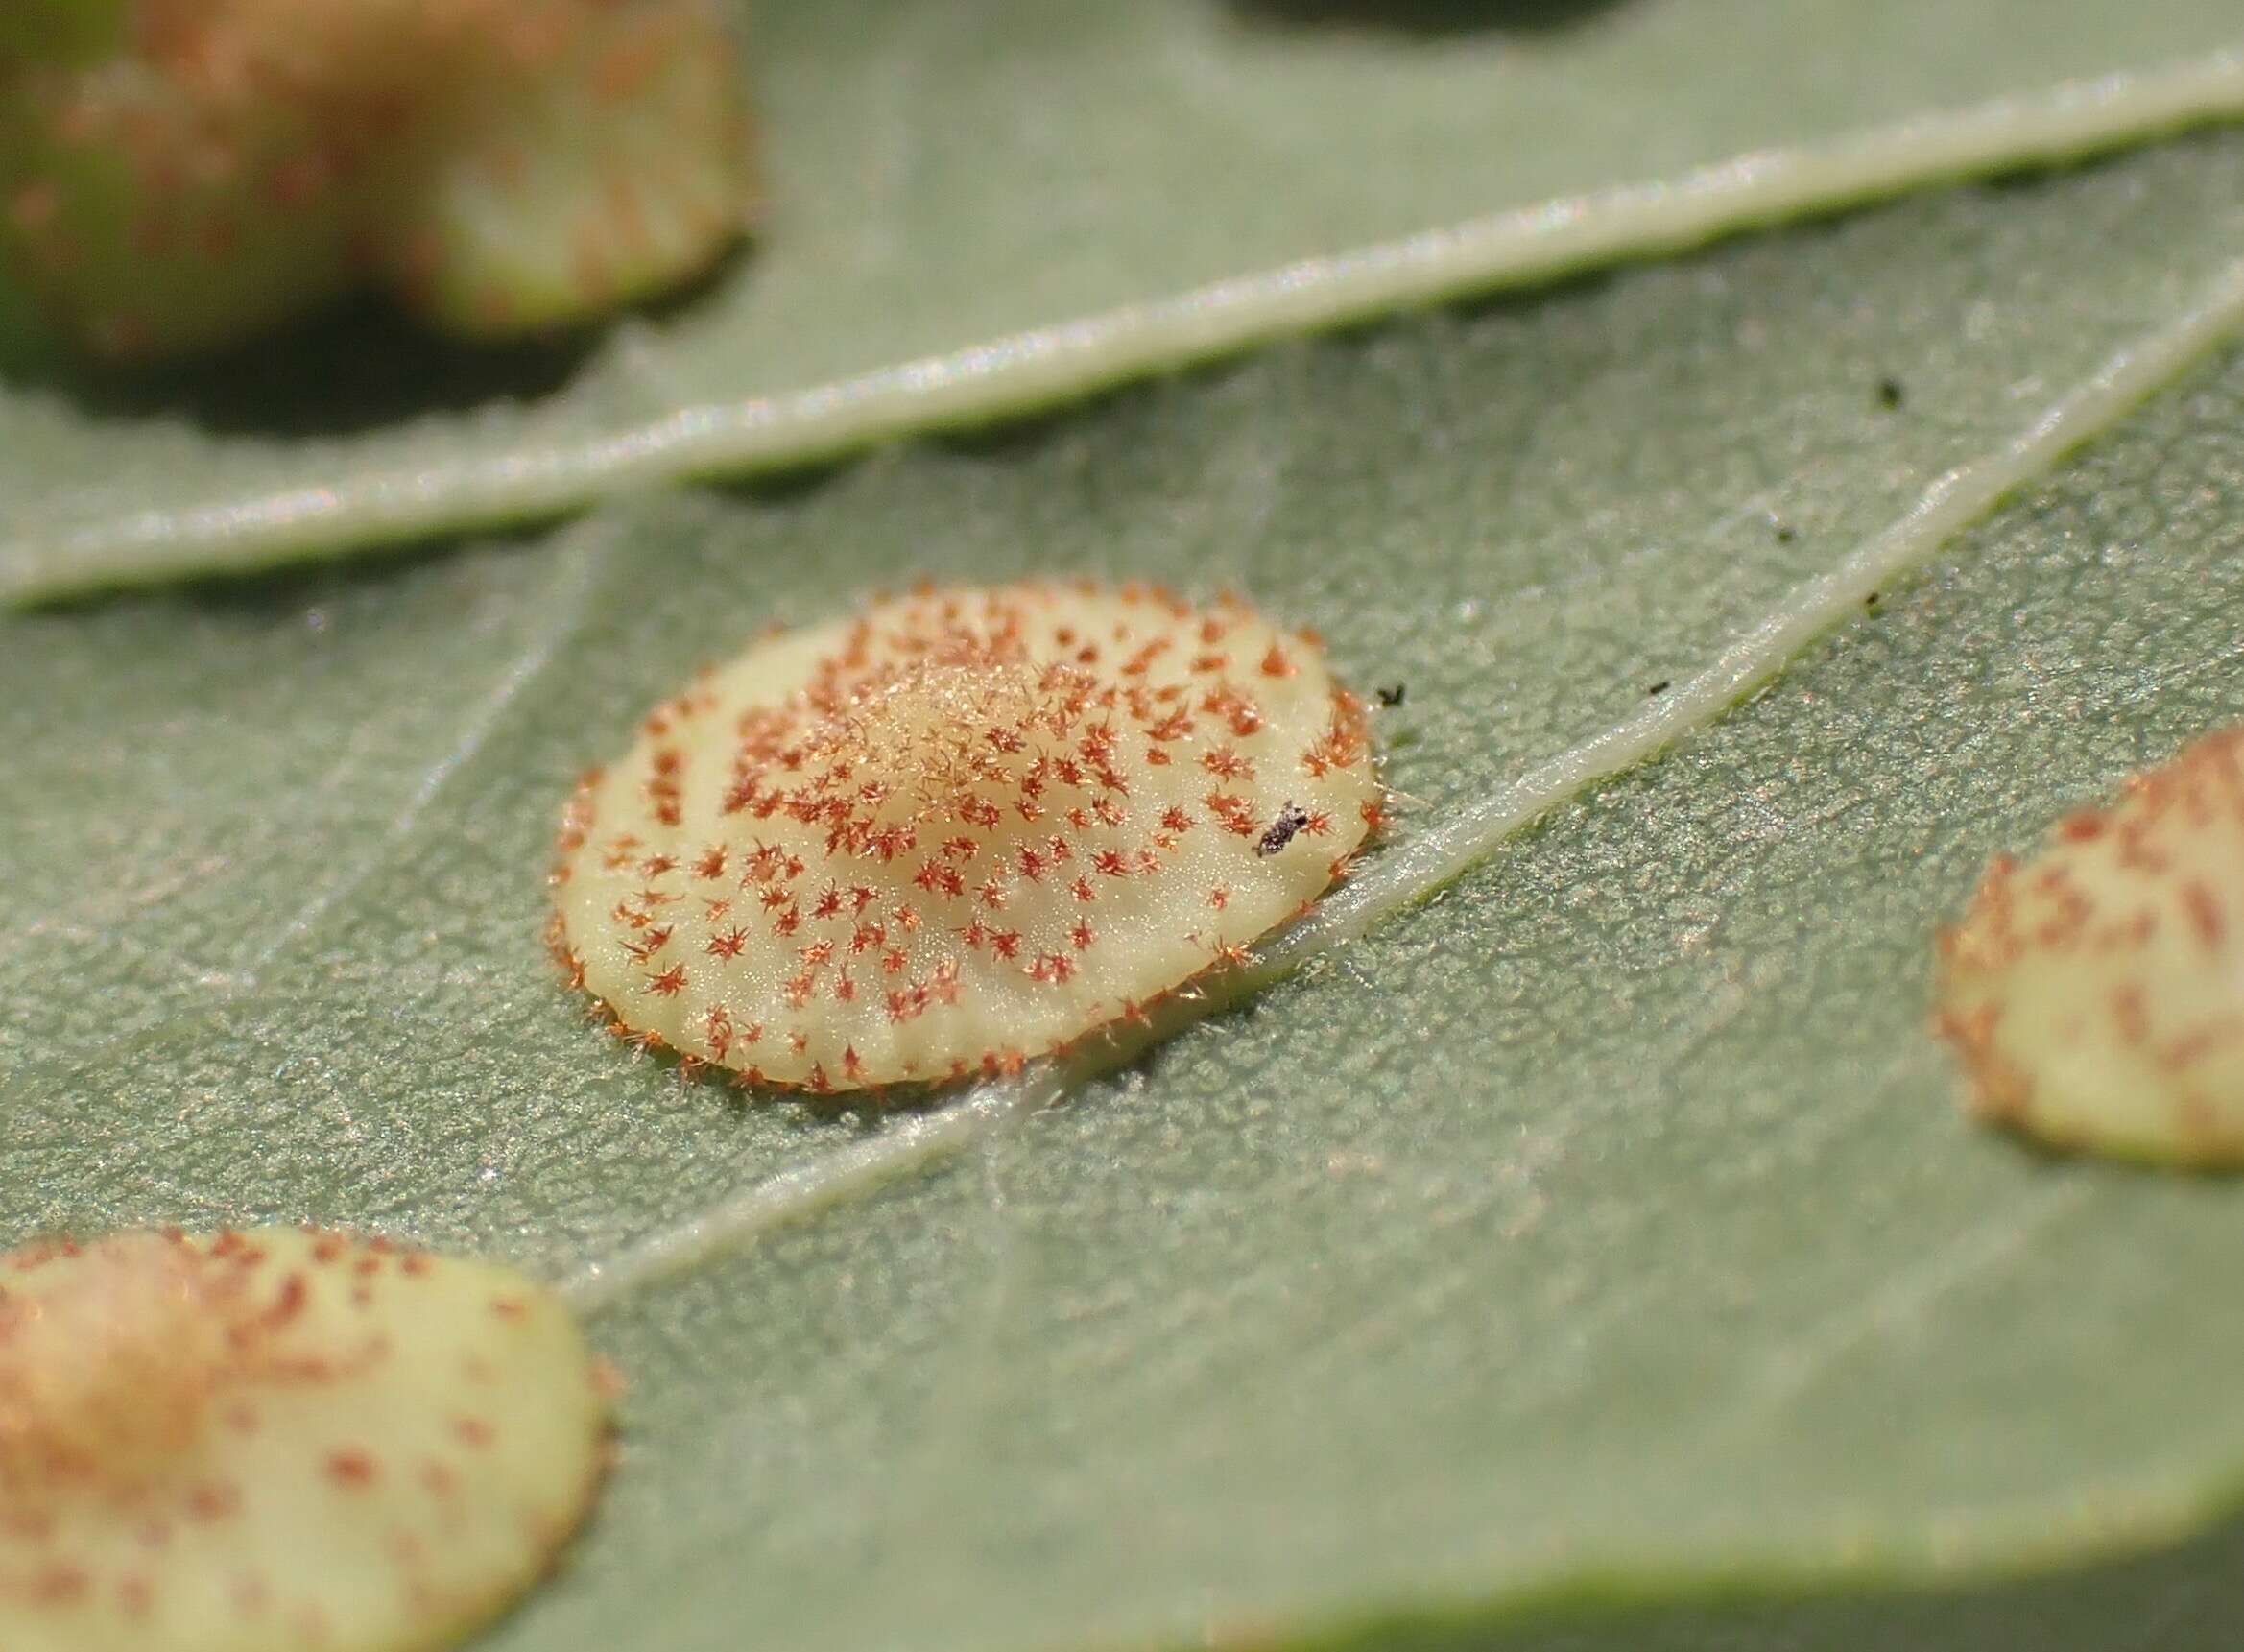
point(1591, 1240)
point(947, 173)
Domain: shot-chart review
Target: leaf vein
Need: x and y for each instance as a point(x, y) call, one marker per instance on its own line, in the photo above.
point(1413, 870)
point(1064, 361)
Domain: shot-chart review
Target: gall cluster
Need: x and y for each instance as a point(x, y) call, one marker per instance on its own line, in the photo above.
point(178, 175)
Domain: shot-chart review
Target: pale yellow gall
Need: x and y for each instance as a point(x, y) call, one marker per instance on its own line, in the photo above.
point(178, 175)
point(964, 828)
point(279, 1440)
point(2096, 992)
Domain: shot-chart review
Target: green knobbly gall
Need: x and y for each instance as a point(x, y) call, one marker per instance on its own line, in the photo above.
point(281, 1439)
point(2096, 992)
point(537, 213)
point(177, 175)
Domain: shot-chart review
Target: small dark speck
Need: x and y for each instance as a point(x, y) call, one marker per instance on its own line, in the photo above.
point(1869, 601)
point(1786, 533)
point(1291, 819)
point(1889, 392)
point(1393, 696)
point(1660, 687)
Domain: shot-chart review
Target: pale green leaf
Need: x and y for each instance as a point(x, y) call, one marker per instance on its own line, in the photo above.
point(982, 210)
point(1595, 1238)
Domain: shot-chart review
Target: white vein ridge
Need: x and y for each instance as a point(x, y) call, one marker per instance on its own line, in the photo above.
point(804, 1189)
point(1416, 868)
point(1047, 365)
point(1413, 869)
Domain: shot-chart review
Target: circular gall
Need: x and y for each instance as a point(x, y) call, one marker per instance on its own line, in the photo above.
point(962, 830)
point(279, 1439)
point(2096, 992)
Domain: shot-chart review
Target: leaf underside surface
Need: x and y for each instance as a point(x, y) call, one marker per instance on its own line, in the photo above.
point(1589, 1256)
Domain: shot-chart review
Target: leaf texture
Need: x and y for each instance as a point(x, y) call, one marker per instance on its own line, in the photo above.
point(1597, 1234)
